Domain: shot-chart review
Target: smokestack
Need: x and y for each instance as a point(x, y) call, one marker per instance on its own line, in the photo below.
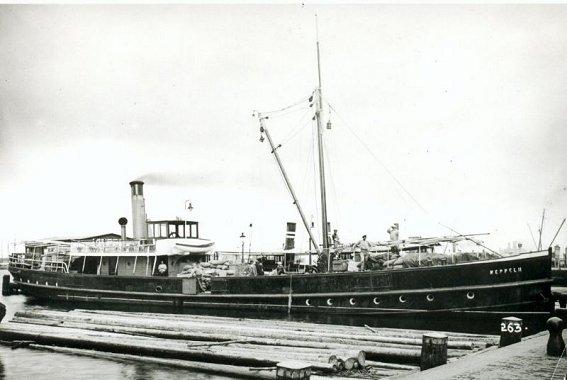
point(123, 221)
point(139, 225)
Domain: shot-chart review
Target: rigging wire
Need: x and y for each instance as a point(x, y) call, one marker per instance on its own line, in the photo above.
point(314, 136)
point(285, 113)
point(286, 107)
point(330, 170)
point(304, 182)
point(380, 162)
point(400, 184)
point(296, 131)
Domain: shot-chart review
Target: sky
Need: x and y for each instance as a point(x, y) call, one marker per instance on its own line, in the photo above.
point(445, 119)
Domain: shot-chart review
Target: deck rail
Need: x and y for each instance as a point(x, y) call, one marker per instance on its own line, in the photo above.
point(111, 246)
point(20, 260)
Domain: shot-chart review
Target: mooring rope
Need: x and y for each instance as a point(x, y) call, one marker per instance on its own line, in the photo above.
point(557, 365)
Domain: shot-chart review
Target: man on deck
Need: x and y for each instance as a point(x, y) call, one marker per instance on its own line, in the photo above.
point(394, 232)
point(162, 269)
point(364, 246)
point(335, 237)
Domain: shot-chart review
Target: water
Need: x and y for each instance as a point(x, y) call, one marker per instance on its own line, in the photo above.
point(23, 363)
point(33, 364)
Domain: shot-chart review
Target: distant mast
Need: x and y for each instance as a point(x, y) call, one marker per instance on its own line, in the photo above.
point(318, 115)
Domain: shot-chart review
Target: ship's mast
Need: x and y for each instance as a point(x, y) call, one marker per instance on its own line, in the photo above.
point(318, 115)
point(264, 130)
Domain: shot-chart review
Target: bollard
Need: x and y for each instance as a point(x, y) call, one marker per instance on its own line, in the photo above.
point(292, 369)
point(555, 344)
point(433, 351)
point(6, 286)
point(511, 329)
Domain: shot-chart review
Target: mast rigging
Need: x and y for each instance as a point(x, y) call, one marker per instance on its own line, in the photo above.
point(274, 148)
point(318, 116)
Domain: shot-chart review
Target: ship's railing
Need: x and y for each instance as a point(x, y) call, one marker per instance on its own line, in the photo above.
point(49, 264)
point(111, 246)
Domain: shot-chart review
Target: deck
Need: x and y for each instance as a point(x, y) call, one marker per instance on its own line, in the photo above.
point(524, 360)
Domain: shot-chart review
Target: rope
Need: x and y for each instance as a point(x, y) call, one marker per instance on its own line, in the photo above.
point(380, 162)
point(286, 107)
point(304, 182)
point(557, 365)
point(469, 239)
point(296, 131)
point(315, 158)
point(398, 182)
point(332, 178)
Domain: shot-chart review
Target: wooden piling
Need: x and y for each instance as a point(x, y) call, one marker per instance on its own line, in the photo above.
point(6, 285)
point(511, 329)
point(433, 351)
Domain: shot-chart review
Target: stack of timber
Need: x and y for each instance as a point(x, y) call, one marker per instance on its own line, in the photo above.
point(232, 346)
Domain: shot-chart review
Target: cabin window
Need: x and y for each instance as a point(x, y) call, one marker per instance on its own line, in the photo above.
point(150, 230)
point(163, 230)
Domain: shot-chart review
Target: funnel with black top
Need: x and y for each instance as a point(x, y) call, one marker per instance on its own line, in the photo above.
point(139, 226)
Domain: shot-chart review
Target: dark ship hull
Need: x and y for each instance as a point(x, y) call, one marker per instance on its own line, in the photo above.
point(518, 285)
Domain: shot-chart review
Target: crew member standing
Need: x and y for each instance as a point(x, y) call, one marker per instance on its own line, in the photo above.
point(335, 238)
point(364, 246)
point(394, 232)
point(162, 269)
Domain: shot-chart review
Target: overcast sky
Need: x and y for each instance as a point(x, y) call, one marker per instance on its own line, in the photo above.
point(464, 106)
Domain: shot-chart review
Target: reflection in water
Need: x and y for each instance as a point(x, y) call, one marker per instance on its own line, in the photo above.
point(2, 371)
point(141, 372)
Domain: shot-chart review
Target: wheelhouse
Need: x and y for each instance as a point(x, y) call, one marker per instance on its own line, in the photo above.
point(172, 229)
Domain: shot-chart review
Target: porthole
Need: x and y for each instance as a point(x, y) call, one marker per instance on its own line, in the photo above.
point(430, 297)
point(402, 299)
point(329, 302)
point(159, 289)
point(470, 295)
point(308, 302)
point(352, 302)
point(376, 301)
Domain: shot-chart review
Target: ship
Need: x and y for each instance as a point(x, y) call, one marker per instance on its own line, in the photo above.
point(130, 271)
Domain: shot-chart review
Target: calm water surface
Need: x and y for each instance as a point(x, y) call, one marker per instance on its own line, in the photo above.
point(25, 363)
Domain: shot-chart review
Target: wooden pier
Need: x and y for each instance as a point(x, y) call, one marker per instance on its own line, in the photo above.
point(238, 347)
point(524, 360)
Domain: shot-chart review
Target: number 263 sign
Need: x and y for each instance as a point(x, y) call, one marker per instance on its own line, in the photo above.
point(511, 327)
